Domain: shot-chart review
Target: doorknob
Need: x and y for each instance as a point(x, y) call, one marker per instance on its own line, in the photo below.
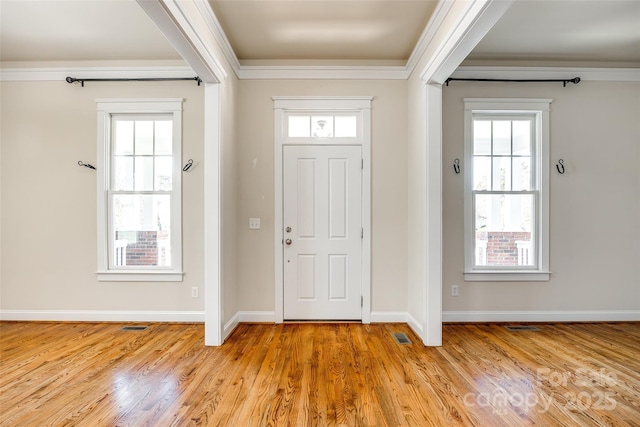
point(288, 242)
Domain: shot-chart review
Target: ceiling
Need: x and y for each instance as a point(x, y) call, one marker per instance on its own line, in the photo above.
point(323, 30)
point(570, 30)
point(86, 30)
point(376, 31)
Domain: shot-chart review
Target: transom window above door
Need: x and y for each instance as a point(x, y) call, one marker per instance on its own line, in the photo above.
point(322, 125)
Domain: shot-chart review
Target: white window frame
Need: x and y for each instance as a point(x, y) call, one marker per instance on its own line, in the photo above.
point(107, 108)
point(540, 157)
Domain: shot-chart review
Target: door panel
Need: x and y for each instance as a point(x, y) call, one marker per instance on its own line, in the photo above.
point(322, 243)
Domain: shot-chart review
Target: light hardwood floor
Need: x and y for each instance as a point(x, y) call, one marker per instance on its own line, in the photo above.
point(64, 374)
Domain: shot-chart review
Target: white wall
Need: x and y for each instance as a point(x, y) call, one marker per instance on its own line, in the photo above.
point(594, 206)
point(49, 202)
point(255, 140)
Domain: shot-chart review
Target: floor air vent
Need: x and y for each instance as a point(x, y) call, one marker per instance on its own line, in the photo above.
point(522, 328)
point(401, 338)
point(133, 328)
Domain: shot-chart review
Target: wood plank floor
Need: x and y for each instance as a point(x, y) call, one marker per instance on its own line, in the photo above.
point(81, 374)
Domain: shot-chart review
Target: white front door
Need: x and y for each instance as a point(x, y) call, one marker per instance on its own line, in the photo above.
point(322, 244)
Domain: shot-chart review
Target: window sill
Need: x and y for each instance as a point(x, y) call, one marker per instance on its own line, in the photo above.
point(507, 276)
point(139, 276)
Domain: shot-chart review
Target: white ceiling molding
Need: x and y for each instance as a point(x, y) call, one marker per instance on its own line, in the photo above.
point(477, 19)
point(323, 72)
point(218, 33)
point(548, 73)
point(185, 30)
point(348, 73)
point(60, 73)
point(439, 14)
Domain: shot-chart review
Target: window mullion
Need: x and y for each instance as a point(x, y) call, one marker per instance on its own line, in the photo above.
point(491, 157)
point(135, 157)
point(511, 153)
point(153, 154)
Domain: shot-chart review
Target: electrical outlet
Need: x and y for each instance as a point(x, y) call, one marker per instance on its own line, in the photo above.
point(254, 223)
point(194, 292)
point(454, 290)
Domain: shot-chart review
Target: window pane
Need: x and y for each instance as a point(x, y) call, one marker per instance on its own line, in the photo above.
point(481, 173)
point(322, 126)
point(144, 137)
point(123, 137)
point(501, 173)
point(143, 174)
point(163, 173)
point(299, 126)
point(142, 230)
point(482, 137)
point(164, 137)
point(522, 137)
point(521, 173)
point(346, 126)
point(503, 230)
point(122, 179)
point(502, 137)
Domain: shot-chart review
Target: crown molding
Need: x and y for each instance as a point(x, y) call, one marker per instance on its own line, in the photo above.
point(301, 72)
point(181, 24)
point(61, 73)
point(312, 72)
point(477, 18)
point(218, 33)
point(525, 73)
point(439, 14)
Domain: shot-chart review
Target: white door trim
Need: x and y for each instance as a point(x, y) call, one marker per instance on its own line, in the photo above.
point(362, 104)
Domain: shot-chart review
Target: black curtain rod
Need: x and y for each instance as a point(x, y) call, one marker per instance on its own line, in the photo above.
point(158, 79)
point(574, 80)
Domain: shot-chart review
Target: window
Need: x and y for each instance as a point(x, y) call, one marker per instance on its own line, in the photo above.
point(506, 189)
point(139, 188)
point(339, 127)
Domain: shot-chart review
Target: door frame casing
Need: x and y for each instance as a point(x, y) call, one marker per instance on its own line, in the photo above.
point(283, 104)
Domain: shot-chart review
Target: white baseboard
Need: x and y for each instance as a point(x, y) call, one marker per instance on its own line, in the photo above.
point(249, 317)
point(542, 316)
point(269, 316)
point(230, 326)
point(389, 317)
point(257, 316)
point(103, 316)
point(416, 326)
